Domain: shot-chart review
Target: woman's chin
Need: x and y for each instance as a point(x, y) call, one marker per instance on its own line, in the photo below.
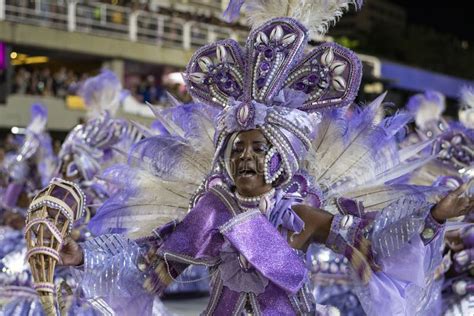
point(247, 185)
point(250, 186)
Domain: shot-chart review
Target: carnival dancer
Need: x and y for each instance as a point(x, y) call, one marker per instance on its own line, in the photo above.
point(456, 151)
point(28, 170)
point(84, 154)
point(285, 168)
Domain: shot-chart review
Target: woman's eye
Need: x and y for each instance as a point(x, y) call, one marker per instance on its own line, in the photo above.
point(237, 149)
point(261, 149)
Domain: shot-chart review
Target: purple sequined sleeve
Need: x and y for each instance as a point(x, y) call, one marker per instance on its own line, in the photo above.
point(197, 240)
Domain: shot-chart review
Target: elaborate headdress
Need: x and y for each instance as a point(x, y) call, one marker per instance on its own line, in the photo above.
point(273, 85)
point(87, 146)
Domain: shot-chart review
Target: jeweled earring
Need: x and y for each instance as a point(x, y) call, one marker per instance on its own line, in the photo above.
point(273, 165)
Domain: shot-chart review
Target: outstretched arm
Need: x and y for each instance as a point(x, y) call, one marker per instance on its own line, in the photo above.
point(318, 221)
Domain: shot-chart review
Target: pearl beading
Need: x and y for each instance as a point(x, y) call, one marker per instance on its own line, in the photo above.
point(43, 250)
point(44, 287)
point(280, 120)
point(282, 142)
point(271, 76)
point(280, 147)
point(255, 72)
point(269, 178)
point(296, 75)
point(238, 75)
point(217, 96)
point(66, 213)
point(54, 230)
point(254, 199)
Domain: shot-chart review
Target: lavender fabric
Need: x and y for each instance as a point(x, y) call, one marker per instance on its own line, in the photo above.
point(110, 274)
point(398, 288)
point(236, 278)
point(249, 253)
point(289, 98)
point(283, 215)
point(260, 243)
point(275, 302)
point(197, 236)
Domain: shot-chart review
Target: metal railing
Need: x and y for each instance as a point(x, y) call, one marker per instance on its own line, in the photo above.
point(119, 22)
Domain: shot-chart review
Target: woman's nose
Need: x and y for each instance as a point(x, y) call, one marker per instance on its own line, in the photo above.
point(246, 154)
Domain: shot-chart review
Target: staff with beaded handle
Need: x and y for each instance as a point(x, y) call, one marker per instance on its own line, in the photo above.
point(49, 221)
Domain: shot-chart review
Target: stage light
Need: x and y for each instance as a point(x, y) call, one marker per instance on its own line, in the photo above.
point(18, 130)
point(375, 88)
point(13, 55)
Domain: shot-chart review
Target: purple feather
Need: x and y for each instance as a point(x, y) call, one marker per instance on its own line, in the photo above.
point(96, 84)
point(393, 124)
point(164, 152)
point(232, 12)
point(38, 110)
point(188, 117)
point(158, 126)
point(415, 102)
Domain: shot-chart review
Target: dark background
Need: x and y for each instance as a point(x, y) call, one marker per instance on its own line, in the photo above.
point(455, 17)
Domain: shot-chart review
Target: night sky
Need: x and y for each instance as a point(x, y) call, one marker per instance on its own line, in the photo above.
point(455, 18)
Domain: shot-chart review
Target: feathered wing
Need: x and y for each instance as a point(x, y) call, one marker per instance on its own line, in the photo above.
point(162, 175)
point(355, 155)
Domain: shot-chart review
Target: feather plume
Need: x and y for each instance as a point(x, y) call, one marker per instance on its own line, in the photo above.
point(351, 152)
point(426, 107)
point(316, 15)
point(102, 93)
point(467, 97)
point(162, 175)
point(466, 104)
point(357, 156)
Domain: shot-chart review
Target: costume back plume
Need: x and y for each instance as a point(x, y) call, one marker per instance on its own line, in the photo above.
point(162, 175)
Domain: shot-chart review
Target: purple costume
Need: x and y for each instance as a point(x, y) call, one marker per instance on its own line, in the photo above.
point(317, 155)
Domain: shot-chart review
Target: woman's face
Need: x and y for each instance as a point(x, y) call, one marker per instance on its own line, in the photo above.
point(247, 162)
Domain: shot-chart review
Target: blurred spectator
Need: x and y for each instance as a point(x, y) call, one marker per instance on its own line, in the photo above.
point(45, 83)
point(149, 89)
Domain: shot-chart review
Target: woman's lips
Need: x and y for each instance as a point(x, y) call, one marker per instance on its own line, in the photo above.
point(247, 173)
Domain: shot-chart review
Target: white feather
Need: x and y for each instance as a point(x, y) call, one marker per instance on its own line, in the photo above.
point(316, 15)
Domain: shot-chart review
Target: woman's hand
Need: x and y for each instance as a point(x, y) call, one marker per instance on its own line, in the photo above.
point(71, 253)
point(453, 205)
point(317, 224)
